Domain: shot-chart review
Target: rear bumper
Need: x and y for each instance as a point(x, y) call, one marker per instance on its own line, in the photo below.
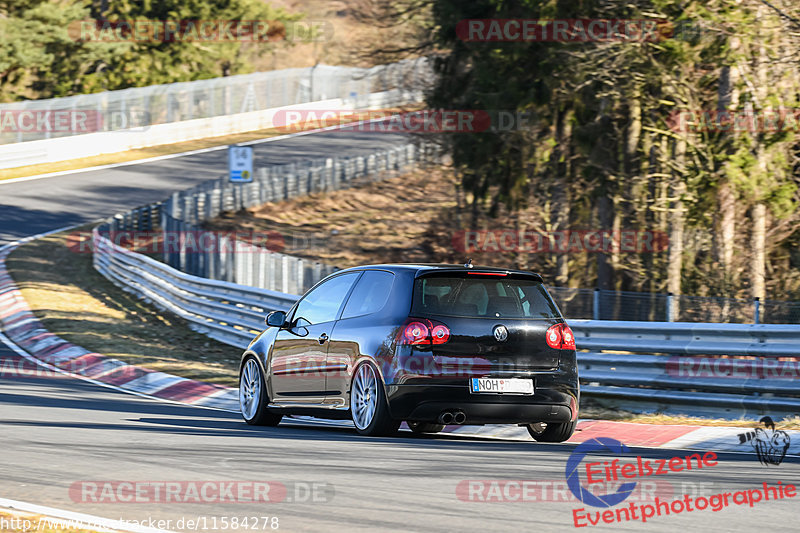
point(554, 400)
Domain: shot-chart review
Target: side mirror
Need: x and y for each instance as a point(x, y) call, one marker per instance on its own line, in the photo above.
point(276, 319)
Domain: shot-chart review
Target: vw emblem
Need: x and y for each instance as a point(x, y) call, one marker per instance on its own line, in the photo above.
point(500, 333)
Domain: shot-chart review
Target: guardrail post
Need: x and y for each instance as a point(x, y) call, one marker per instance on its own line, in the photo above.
point(669, 307)
point(261, 277)
point(756, 310)
point(249, 276)
point(271, 283)
point(301, 277)
point(285, 273)
point(596, 304)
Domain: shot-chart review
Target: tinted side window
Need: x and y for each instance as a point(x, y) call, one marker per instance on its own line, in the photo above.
point(370, 294)
point(323, 303)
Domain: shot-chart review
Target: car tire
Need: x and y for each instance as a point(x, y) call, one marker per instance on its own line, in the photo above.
point(253, 396)
point(369, 409)
point(550, 432)
point(424, 427)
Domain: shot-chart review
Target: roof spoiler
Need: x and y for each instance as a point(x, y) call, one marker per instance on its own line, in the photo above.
point(479, 272)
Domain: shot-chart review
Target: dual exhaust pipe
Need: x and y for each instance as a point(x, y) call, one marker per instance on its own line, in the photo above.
point(452, 417)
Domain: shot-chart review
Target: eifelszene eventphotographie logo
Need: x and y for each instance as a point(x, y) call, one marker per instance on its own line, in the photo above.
point(769, 443)
point(606, 473)
point(583, 492)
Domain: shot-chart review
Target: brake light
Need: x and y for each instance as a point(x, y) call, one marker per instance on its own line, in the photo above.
point(416, 333)
point(440, 334)
point(560, 337)
point(421, 331)
point(487, 273)
point(569, 337)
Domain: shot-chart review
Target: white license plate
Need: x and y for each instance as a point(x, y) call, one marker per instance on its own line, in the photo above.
point(508, 386)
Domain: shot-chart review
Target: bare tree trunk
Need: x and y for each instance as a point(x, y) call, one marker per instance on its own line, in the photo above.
point(759, 210)
point(724, 237)
point(560, 206)
point(647, 216)
point(759, 257)
point(605, 218)
point(675, 262)
point(634, 132)
point(631, 172)
point(726, 201)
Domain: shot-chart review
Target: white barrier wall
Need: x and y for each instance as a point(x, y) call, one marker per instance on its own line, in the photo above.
point(58, 129)
point(108, 142)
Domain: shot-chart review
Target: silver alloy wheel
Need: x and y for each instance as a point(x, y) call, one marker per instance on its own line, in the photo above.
point(364, 396)
point(250, 389)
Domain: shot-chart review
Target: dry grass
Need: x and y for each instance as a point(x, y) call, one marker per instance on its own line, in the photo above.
point(135, 155)
point(76, 303)
point(385, 221)
point(410, 218)
point(348, 41)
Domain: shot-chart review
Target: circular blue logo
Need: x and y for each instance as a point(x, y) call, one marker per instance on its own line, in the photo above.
point(604, 445)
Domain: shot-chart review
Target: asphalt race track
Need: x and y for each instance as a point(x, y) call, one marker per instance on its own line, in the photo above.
point(57, 431)
point(33, 207)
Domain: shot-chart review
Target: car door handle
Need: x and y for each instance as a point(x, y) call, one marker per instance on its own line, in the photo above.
point(323, 338)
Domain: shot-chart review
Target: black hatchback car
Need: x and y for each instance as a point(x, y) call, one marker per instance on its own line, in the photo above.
point(428, 344)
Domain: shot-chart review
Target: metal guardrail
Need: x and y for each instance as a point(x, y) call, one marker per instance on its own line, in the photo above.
point(600, 304)
point(230, 313)
point(239, 261)
point(685, 338)
point(234, 314)
point(704, 369)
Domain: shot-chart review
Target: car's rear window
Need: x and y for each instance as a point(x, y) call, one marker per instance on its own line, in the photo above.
point(482, 296)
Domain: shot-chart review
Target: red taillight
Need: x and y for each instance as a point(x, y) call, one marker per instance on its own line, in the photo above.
point(560, 337)
point(416, 333)
point(553, 336)
point(423, 331)
point(440, 334)
point(487, 273)
point(569, 337)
